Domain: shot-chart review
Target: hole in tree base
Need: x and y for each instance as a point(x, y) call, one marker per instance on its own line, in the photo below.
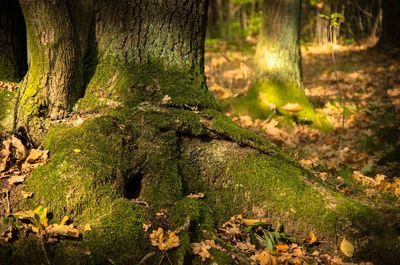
point(133, 186)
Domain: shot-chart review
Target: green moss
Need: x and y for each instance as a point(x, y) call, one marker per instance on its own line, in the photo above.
point(264, 93)
point(86, 186)
point(132, 84)
point(6, 108)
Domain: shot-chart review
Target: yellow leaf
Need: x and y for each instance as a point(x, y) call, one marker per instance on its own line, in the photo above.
point(164, 241)
point(64, 220)
point(347, 248)
point(292, 107)
point(311, 239)
point(26, 194)
point(76, 150)
point(254, 221)
point(87, 227)
point(146, 227)
point(41, 213)
point(282, 247)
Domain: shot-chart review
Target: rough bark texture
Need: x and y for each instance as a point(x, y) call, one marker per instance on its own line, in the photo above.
point(13, 62)
point(278, 51)
point(152, 132)
point(390, 25)
point(53, 79)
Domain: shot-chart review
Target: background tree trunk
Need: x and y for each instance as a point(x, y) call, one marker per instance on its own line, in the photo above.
point(13, 61)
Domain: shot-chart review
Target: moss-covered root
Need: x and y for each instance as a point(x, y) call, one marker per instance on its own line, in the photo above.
point(265, 95)
point(246, 180)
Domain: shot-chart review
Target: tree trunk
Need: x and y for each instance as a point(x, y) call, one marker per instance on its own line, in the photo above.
point(13, 62)
point(52, 83)
point(278, 74)
point(390, 37)
point(150, 133)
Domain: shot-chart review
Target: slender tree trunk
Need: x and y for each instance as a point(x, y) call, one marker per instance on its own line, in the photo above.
point(278, 51)
point(52, 83)
point(13, 62)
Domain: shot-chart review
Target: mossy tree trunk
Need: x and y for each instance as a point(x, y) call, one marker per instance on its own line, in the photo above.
point(13, 62)
point(390, 37)
point(152, 132)
point(278, 74)
point(52, 83)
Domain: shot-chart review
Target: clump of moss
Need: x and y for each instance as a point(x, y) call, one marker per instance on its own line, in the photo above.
point(6, 104)
point(267, 93)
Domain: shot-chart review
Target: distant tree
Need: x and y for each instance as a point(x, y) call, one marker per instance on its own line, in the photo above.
point(278, 74)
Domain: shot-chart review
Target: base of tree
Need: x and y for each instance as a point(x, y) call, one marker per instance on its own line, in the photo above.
point(101, 168)
point(266, 97)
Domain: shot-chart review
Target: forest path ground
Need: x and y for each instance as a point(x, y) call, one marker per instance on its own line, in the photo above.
point(367, 163)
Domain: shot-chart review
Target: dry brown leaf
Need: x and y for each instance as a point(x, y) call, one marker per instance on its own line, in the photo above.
point(55, 230)
point(201, 249)
point(292, 107)
point(196, 196)
point(4, 155)
point(16, 179)
point(20, 150)
point(245, 246)
point(166, 99)
point(26, 194)
point(164, 241)
point(35, 158)
point(264, 258)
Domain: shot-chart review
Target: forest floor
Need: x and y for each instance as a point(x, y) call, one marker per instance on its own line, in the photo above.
point(360, 156)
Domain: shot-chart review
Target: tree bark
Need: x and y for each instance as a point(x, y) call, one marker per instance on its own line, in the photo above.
point(13, 61)
point(278, 51)
point(53, 80)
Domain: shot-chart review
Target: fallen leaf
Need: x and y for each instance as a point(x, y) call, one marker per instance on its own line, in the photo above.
point(292, 107)
point(246, 246)
point(146, 227)
point(26, 194)
point(196, 196)
point(281, 248)
point(164, 241)
point(166, 99)
point(16, 179)
point(254, 221)
point(311, 239)
point(87, 227)
point(76, 150)
point(201, 249)
point(264, 258)
point(4, 155)
point(347, 248)
point(62, 230)
point(41, 215)
point(20, 150)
